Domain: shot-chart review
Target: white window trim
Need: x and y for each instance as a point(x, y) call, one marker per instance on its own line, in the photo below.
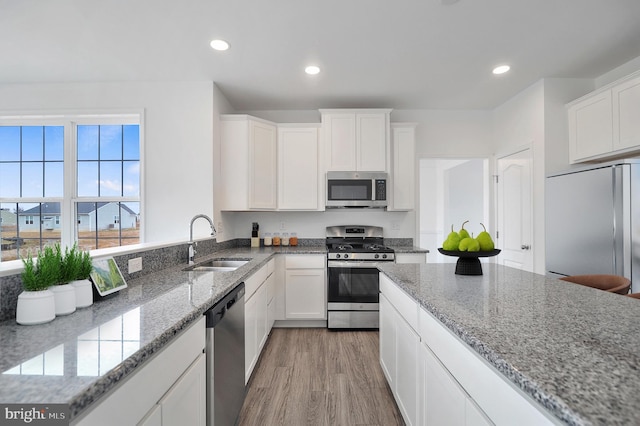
point(70, 119)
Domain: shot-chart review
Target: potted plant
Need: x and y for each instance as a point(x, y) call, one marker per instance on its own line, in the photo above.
point(63, 292)
point(36, 304)
point(81, 282)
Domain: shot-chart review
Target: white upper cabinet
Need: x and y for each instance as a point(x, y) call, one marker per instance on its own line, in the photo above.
point(590, 127)
point(626, 110)
point(356, 140)
point(605, 124)
point(298, 168)
point(248, 163)
point(403, 175)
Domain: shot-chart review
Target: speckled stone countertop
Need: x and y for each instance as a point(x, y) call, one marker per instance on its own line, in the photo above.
point(574, 349)
point(77, 358)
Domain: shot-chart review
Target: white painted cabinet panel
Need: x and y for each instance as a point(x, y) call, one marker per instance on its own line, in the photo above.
point(257, 319)
point(185, 403)
point(411, 257)
point(248, 163)
point(399, 358)
point(305, 287)
point(262, 165)
point(298, 168)
point(356, 140)
point(626, 114)
point(371, 142)
point(403, 175)
point(604, 124)
point(340, 133)
point(590, 127)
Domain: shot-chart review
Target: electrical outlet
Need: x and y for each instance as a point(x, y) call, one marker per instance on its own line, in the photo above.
point(283, 225)
point(395, 226)
point(135, 265)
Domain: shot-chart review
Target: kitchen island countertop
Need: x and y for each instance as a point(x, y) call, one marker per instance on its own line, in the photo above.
point(573, 349)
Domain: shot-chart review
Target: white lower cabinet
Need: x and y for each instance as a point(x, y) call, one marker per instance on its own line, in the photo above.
point(170, 389)
point(257, 324)
point(399, 357)
point(177, 406)
point(411, 257)
point(305, 287)
point(444, 402)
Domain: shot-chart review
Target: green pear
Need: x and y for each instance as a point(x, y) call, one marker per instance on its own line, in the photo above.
point(473, 245)
point(485, 241)
point(452, 241)
point(463, 232)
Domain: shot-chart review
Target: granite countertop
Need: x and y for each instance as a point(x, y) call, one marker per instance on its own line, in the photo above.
point(77, 358)
point(574, 349)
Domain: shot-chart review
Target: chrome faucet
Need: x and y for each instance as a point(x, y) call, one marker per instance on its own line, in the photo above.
point(192, 244)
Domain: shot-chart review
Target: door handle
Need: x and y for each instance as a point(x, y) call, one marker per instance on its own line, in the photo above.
point(525, 247)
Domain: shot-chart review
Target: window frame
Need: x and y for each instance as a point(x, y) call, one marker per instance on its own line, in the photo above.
point(70, 120)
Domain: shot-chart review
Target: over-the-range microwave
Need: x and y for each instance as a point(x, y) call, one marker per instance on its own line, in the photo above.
point(356, 189)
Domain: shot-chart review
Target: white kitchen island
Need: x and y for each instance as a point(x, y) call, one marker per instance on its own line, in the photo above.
point(571, 351)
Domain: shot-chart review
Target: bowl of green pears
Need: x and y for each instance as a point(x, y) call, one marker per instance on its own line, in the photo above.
point(468, 249)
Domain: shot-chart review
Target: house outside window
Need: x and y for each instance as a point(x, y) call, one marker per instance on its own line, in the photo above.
point(65, 180)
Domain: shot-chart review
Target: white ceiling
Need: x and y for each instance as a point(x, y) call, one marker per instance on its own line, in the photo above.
point(403, 54)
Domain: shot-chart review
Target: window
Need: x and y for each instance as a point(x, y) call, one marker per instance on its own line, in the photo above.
point(67, 180)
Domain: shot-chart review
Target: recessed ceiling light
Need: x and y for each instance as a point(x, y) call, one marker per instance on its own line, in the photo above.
point(501, 69)
point(312, 70)
point(219, 45)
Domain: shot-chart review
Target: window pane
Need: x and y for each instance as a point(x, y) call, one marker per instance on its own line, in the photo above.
point(88, 179)
point(9, 180)
point(87, 143)
point(131, 142)
point(32, 180)
point(110, 142)
point(110, 178)
point(53, 179)
point(131, 184)
point(32, 143)
point(130, 213)
point(54, 143)
point(28, 227)
point(86, 225)
point(9, 143)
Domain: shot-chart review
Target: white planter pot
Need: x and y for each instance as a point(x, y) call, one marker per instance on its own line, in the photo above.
point(65, 296)
point(35, 307)
point(84, 293)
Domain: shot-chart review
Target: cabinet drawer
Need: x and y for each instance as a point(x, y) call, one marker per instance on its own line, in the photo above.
point(405, 305)
point(254, 282)
point(304, 261)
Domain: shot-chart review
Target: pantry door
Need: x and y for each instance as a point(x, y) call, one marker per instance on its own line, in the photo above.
point(514, 214)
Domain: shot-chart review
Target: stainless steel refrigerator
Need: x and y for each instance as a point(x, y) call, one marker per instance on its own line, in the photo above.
point(593, 221)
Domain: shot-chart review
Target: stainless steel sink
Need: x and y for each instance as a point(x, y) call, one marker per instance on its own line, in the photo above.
point(218, 265)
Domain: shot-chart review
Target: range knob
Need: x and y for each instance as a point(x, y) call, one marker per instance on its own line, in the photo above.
point(346, 255)
point(376, 256)
point(384, 256)
point(338, 256)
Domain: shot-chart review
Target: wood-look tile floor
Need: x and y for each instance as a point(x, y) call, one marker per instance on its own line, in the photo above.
point(313, 376)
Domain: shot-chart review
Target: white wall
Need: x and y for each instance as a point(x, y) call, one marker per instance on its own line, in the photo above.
point(178, 130)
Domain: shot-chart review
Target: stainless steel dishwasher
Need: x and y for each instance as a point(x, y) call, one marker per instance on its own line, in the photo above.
point(225, 359)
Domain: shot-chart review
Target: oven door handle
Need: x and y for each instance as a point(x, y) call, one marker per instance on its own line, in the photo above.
point(350, 264)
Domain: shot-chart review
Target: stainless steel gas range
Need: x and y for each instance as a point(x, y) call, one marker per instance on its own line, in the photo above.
point(353, 281)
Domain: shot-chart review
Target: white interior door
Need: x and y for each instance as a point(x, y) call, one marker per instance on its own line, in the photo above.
point(514, 211)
